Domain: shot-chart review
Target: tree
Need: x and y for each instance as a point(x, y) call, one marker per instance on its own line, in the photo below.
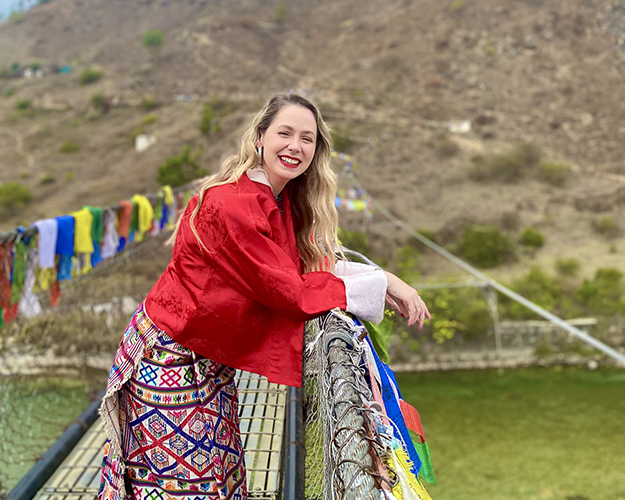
point(153, 39)
point(89, 75)
point(13, 196)
point(179, 170)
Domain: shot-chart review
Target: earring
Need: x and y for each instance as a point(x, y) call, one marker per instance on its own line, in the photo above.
point(259, 150)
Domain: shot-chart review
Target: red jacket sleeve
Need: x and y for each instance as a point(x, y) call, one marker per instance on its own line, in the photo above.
point(249, 252)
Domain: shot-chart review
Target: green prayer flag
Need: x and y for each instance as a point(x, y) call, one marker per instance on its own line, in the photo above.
point(423, 450)
point(20, 255)
point(134, 219)
point(97, 227)
point(158, 208)
point(380, 336)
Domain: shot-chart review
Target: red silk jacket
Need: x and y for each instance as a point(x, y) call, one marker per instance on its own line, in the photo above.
point(244, 302)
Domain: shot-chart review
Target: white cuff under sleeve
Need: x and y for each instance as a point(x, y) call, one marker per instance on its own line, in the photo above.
point(365, 288)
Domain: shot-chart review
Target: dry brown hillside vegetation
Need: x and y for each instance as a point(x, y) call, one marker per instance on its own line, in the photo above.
point(541, 81)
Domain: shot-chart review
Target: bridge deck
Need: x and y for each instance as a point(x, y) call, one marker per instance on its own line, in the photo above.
point(261, 414)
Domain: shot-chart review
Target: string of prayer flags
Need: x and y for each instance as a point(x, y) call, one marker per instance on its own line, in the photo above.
point(48, 230)
point(134, 220)
point(65, 243)
point(18, 271)
point(111, 236)
point(360, 204)
point(144, 216)
point(70, 245)
point(6, 264)
point(415, 429)
point(165, 208)
point(352, 199)
point(169, 207)
point(97, 234)
point(350, 161)
point(29, 305)
point(399, 426)
point(83, 240)
point(125, 214)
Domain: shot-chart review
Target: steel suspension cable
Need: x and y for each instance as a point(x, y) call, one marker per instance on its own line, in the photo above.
point(589, 339)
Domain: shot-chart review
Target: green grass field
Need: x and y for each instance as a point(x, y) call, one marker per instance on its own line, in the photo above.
point(540, 433)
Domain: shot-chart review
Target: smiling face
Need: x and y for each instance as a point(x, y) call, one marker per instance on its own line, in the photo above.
point(288, 145)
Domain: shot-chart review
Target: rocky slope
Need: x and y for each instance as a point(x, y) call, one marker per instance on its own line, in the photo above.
point(547, 72)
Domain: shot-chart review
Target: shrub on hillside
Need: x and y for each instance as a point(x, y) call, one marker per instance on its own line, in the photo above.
point(153, 39)
point(213, 109)
point(69, 147)
point(280, 12)
point(506, 167)
point(528, 154)
point(604, 294)
point(357, 241)
point(606, 226)
point(222, 107)
point(17, 17)
point(457, 311)
point(99, 102)
point(47, 179)
point(430, 235)
point(13, 196)
point(532, 237)
point(406, 260)
point(485, 246)
point(457, 5)
point(22, 104)
point(148, 102)
point(340, 140)
point(555, 174)
point(568, 267)
point(149, 119)
point(539, 287)
point(89, 75)
point(180, 170)
point(207, 124)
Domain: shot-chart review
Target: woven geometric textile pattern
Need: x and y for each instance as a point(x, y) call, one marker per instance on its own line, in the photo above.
point(180, 430)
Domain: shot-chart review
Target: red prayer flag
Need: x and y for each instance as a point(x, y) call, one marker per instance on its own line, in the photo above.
point(411, 417)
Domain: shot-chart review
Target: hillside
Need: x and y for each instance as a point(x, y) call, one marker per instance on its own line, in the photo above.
point(546, 72)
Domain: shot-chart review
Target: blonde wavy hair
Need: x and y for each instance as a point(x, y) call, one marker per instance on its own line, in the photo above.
point(311, 194)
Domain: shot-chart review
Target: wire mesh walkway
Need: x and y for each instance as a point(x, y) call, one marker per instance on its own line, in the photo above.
point(261, 414)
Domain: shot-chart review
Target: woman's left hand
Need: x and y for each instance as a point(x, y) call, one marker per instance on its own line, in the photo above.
point(405, 300)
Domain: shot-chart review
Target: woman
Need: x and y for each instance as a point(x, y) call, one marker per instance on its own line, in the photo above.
point(244, 277)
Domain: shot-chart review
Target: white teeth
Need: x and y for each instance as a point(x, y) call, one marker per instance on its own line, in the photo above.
point(290, 161)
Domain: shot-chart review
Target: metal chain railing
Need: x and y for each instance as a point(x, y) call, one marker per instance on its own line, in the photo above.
point(338, 390)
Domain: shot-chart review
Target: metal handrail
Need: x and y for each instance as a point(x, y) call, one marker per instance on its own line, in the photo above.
point(294, 468)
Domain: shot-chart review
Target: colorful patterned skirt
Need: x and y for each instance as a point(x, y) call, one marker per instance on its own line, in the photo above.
point(172, 422)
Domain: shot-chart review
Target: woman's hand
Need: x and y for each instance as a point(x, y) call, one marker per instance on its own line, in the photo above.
point(405, 300)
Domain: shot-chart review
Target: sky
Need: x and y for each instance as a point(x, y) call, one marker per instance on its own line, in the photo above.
point(6, 5)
